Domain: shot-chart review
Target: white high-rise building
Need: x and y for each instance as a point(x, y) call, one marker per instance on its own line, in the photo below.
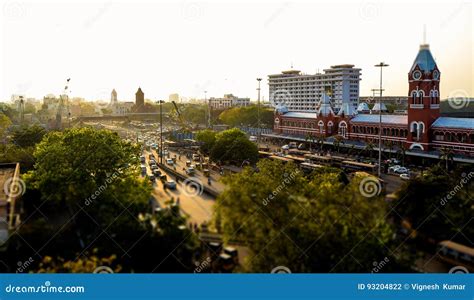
point(302, 92)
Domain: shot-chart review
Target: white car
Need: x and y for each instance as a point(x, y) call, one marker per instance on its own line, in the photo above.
point(169, 161)
point(285, 147)
point(402, 170)
point(405, 176)
point(394, 168)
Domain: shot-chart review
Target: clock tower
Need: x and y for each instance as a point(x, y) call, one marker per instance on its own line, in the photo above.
point(423, 98)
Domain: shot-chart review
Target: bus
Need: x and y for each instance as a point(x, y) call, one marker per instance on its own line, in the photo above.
point(283, 159)
point(456, 254)
point(306, 166)
point(296, 159)
point(318, 159)
point(358, 166)
point(298, 152)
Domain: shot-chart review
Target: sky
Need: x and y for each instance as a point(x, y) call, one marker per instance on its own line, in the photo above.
point(189, 47)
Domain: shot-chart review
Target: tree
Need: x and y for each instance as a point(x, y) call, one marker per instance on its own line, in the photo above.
point(233, 146)
point(28, 136)
point(309, 138)
point(446, 155)
point(207, 138)
point(5, 122)
point(438, 204)
point(247, 116)
point(319, 223)
point(338, 140)
point(369, 148)
point(87, 184)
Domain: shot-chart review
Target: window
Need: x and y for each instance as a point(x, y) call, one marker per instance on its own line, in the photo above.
point(330, 124)
point(321, 126)
point(343, 129)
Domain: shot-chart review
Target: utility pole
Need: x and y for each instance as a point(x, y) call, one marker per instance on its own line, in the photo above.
point(258, 111)
point(161, 153)
point(381, 66)
point(208, 109)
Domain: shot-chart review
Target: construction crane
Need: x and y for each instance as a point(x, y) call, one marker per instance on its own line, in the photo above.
point(22, 110)
point(180, 118)
point(62, 98)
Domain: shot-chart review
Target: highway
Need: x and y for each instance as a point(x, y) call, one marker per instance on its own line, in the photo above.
point(194, 203)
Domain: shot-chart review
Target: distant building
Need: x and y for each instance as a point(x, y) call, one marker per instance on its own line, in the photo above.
point(113, 97)
point(228, 101)
point(302, 92)
point(139, 100)
point(421, 129)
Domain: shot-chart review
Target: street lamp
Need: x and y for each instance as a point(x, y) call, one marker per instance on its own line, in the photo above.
point(258, 111)
point(381, 66)
point(161, 131)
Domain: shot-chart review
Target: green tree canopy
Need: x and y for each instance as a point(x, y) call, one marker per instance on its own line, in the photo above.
point(5, 122)
point(439, 204)
point(28, 136)
point(247, 116)
point(207, 138)
point(233, 146)
point(317, 223)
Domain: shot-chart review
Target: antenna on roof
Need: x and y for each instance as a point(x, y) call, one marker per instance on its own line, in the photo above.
point(291, 65)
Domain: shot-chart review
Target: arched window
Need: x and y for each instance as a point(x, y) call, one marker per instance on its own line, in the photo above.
point(421, 95)
point(321, 127)
point(433, 96)
point(330, 125)
point(343, 129)
point(414, 94)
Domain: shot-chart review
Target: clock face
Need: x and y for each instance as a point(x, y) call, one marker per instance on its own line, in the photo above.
point(416, 75)
point(435, 74)
point(277, 120)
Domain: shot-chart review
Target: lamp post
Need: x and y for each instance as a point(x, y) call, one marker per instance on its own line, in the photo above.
point(381, 66)
point(258, 111)
point(161, 130)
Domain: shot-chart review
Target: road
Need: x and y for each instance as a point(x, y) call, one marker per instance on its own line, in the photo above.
point(216, 183)
point(194, 203)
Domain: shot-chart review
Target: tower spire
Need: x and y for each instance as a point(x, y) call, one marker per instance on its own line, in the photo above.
point(424, 34)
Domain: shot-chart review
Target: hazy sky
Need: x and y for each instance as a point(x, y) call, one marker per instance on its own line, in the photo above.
point(222, 46)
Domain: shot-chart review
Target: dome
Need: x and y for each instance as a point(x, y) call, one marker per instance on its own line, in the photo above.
point(363, 107)
point(281, 109)
point(377, 107)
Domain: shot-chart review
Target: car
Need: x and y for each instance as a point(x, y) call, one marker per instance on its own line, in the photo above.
point(143, 169)
point(253, 138)
point(285, 147)
point(170, 184)
point(142, 158)
point(405, 176)
point(293, 145)
point(394, 168)
point(188, 163)
point(154, 167)
point(402, 170)
point(169, 161)
point(196, 157)
point(151, 177)
point(190, 171)
point(301, 146)
point(156, 172)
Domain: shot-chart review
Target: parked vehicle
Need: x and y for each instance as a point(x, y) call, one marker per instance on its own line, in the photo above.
point(188, 163)
point(394, 168)
point(293, 145)
point(253, 138)
point(285, 147)
point(196, 157)
point(169, 161)
point(405, 176)
point(402, 170)
point(151, 177)
point(157, 173)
